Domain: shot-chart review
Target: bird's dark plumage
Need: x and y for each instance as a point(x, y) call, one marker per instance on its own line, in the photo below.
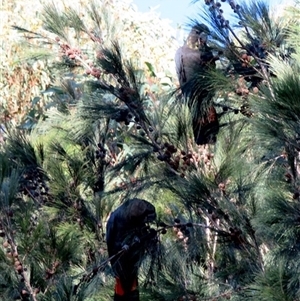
point(192, 60)
point(126, 229)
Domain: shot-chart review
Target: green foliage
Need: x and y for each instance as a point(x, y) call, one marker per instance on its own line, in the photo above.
point(228, 213)
point(31, 69)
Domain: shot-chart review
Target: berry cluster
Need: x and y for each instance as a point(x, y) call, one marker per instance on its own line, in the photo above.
point(74, 58)
point(94, 71)
point(180, 228)
point(216, 6)
point(176, 159)
point(181, 160)
point(33, 183)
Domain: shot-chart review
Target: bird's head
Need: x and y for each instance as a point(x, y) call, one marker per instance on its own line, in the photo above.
point(198, 36)
point(141, 211)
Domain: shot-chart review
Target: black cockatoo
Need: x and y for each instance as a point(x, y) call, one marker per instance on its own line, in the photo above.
point(192, 60)
point(127, 230)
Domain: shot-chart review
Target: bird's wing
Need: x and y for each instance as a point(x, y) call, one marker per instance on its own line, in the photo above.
point(114, 234)
point(187, 61)
point(180, 66)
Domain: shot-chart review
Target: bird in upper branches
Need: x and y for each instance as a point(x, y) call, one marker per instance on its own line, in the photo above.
point(192, 61)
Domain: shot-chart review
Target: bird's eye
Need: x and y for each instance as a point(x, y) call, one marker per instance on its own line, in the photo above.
point(197, 32)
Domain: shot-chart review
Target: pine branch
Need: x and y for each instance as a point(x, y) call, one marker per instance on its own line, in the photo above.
point(55, 21)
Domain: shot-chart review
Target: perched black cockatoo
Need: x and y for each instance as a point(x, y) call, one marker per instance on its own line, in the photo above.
point(192, 60)
point(127, 230)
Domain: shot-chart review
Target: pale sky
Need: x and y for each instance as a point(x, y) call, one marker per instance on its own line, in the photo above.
point(176, 10)
point(179, 11)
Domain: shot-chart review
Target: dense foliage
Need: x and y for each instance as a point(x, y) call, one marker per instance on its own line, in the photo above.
point(228, 213)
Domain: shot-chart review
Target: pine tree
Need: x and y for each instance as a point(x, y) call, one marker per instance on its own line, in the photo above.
point(229, 213)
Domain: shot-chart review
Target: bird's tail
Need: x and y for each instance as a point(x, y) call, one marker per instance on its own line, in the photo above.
point(122, 295)
point(206, 127)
